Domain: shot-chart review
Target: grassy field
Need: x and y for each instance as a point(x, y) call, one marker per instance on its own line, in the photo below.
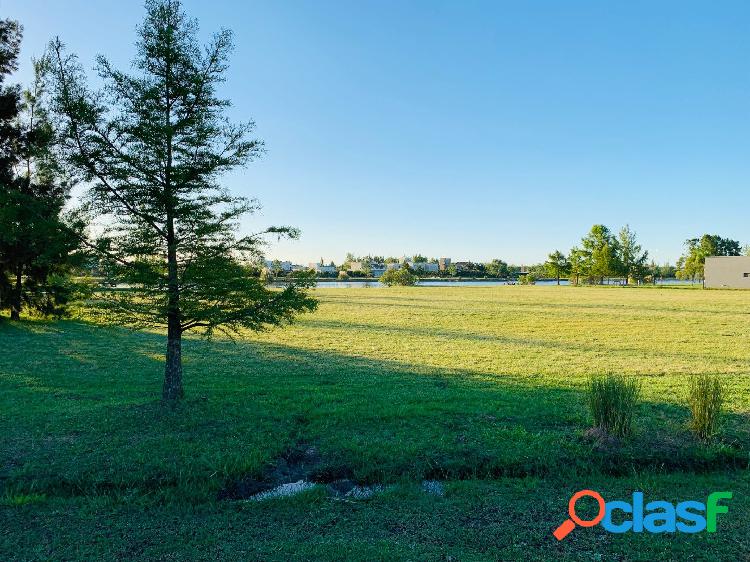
point(481, 388)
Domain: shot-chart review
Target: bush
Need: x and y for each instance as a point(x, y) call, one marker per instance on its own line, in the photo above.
point(612, 399)
point(528, 279)
point(402, 276)
point(343, 276)
point(706, 396)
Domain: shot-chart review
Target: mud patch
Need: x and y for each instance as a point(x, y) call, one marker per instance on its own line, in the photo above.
point(300, 466)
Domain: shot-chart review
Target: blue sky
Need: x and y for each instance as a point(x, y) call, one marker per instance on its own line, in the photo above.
point(474, 130)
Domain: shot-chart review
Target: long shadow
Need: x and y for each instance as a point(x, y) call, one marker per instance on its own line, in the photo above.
point(82, 416)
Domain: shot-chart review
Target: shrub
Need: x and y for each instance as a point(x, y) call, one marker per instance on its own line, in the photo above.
point(705, 397)
point(612, 399)
point(343, 276)
point(401, 276)
point(528, 279)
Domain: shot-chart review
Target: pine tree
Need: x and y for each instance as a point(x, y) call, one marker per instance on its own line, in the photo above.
point(154, 144)
point(37, 248)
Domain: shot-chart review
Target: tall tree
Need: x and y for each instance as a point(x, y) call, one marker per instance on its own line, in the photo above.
point(632, 258)
point(154, 145)
point(557, 265)
point(36, 245)
point(10, 134)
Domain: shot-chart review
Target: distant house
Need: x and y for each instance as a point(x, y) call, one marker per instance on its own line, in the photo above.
point(285, 266)
point(462, 265)
point(323, 269)
point(444, 263)
point(731, 272)
point(425, 267)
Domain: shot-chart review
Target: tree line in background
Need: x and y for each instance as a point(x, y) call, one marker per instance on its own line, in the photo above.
point(600, 257)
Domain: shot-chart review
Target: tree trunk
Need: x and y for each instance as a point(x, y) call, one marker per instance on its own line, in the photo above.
point(558, 278)
point(15, 306)
point(172, 389)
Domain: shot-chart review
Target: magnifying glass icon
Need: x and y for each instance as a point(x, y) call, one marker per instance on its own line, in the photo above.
point(569, 524)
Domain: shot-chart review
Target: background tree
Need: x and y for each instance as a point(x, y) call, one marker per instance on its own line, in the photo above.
point(154, 144)
point(600, 251)
point(401, 276)
point(497, 268)
point(37, 247)
point(691, 263)
point(632, 258)
point(576, 266)
point(557, 265)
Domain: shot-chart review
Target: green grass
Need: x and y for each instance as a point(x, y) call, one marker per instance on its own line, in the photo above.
point(481, 387)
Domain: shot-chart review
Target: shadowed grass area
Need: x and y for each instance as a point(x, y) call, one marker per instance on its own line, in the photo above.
point(482, 387)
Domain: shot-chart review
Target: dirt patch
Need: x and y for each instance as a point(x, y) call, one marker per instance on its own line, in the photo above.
point(300, 463)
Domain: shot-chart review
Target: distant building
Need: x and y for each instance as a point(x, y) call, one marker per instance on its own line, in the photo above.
point(462, 265)
point(285, 266)
point(320, 268)
point(355, 266)
point(444, 263)
point(425, 267)
point(730, 272)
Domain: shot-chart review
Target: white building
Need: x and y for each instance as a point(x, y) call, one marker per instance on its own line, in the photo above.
point(285, 266)
point(727, 272)
point(424, 267)
point(323, 269)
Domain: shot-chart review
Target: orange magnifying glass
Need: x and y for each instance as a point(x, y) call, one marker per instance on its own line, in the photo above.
point(569, 524)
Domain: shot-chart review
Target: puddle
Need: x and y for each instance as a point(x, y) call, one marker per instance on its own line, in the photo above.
point(433, 487)
point(302, 468)
point(284, 490)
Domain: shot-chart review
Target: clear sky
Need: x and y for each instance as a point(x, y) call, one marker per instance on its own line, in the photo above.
point(474, 130)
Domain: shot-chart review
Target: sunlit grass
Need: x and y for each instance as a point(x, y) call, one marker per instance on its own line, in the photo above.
point(391, 385)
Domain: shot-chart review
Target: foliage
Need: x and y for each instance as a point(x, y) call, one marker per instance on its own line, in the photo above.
point(154, 144)
point(600, 254)
point(402, 276)
point(497, 268)
point(632, 258)
point(557, 265)
point(612, 402)
point(38, 245)
point(691, 263)
point(705, 398)
point(527, 278)
point(343, 276)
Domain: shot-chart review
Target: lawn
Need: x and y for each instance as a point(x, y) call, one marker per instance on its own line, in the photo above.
point(479, 388)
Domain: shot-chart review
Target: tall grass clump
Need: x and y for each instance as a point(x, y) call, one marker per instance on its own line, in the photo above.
point(705, 397)
point(612, 400)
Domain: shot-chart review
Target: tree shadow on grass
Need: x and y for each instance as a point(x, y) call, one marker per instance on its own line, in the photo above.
point(84, 417)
